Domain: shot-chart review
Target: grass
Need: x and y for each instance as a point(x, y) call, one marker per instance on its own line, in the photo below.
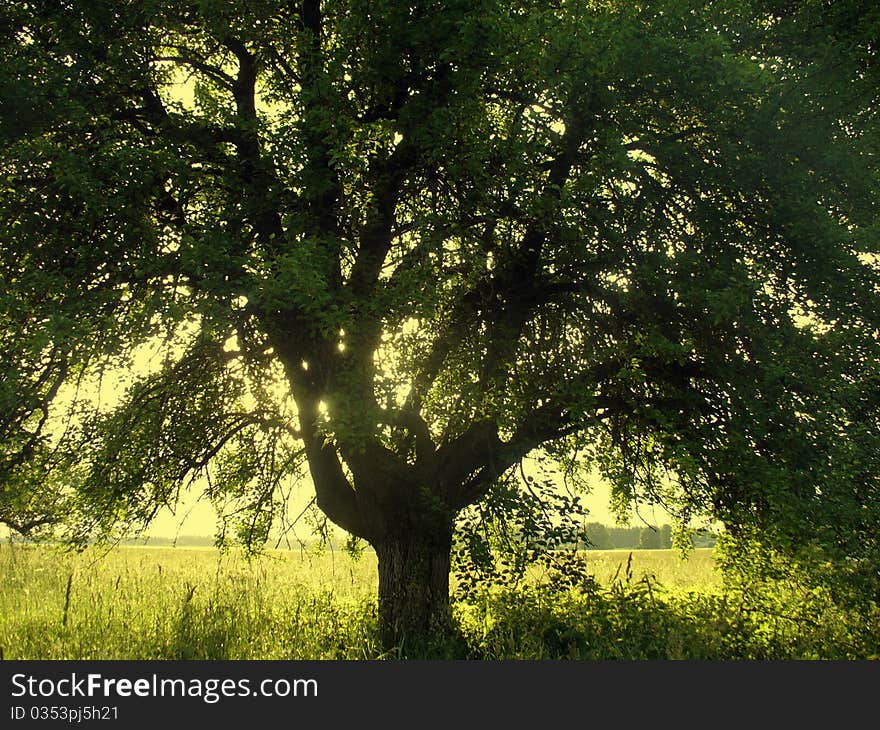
point(184, 603)
point(696, 572)
point(181, 603)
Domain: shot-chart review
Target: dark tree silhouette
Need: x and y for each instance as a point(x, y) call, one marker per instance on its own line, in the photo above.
point(638, 235)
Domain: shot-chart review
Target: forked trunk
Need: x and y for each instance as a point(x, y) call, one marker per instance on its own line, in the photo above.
point(414, 589)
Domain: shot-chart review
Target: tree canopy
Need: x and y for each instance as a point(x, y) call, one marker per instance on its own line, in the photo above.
point(403, 245)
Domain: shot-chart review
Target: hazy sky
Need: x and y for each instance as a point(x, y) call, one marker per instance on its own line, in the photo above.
point(197, 517)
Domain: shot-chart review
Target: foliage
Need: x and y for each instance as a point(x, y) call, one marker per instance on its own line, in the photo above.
point(642, 622)
point(849, 582)
point(639, 618)
point(522, 523)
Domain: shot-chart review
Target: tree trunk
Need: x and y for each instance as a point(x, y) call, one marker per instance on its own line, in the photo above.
point(414, 588)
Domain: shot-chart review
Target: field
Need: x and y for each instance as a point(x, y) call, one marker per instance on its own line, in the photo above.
point(185, 603)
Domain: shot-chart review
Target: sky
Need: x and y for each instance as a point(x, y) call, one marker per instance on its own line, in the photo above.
point(194, 517)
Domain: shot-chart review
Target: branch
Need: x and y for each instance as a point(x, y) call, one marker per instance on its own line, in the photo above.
point(323, 195)
point(416, 425)
point(23, 528)
point(514, 285)
point(212, 72)
point(244, 91)
point(474, 460)
point(375, 242)
point(283, 66)
point(152, 118)
point(476, 448)
point(377, 234)
point(335, 496)
point(258, 180)
point(541, 425)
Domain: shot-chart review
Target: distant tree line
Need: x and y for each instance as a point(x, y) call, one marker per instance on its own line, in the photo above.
point(599, 537)
point(604, 537)
point(181, 541)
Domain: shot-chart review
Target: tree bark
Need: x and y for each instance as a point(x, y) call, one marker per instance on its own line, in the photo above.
point(414, 588)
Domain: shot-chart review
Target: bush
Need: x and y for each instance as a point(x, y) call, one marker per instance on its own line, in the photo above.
point(638, 620)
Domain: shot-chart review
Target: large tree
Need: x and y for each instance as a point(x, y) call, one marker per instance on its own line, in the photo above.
point(635, 234)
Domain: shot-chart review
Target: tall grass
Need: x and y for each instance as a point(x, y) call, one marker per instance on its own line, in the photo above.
point(181, 603)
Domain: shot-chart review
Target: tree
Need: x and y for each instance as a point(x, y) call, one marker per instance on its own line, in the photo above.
point(665, 537)
point(406, 244)
point(649, 539)
point(598, 536)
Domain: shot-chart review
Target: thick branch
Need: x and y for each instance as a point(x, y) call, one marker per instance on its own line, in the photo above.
point(418, 429)
point(387, 175)
point(244, 86)
point(24, 527)
point(322, 198)
point(335, 496)
point(515, 284)
point(473, 450)
point(184, 58)
point(205, 137)
point(377, 235)
point(375, 242)
point(285, 328)
point(479, 460)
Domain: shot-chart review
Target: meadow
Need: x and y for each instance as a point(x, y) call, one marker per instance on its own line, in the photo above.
point(191, 603)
